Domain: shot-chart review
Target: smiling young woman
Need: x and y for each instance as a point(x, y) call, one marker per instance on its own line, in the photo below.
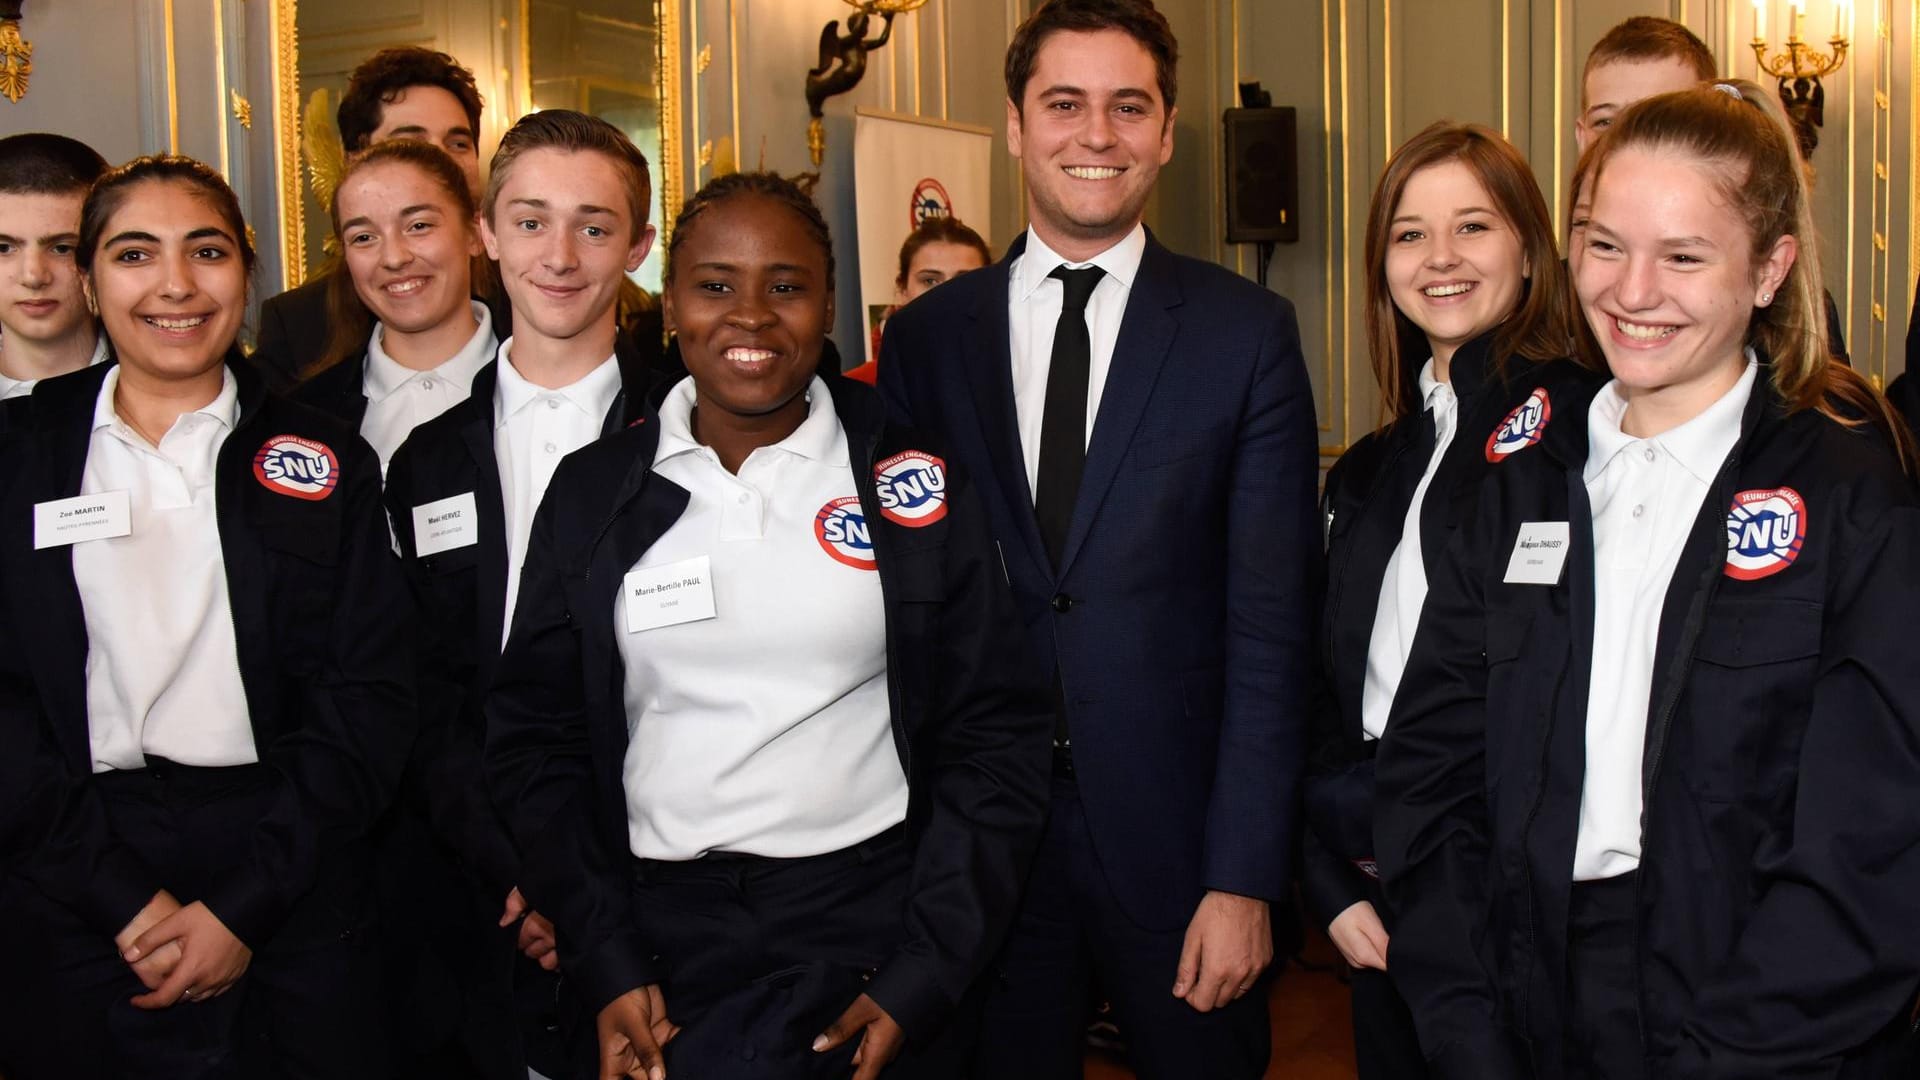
point(1644, 804)
point(208, 685)
point(1461, 272)
point(780, 822)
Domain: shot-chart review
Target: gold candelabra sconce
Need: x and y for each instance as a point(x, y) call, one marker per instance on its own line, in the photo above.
point(1799, 67)
point(16, 53)
point(843, 62)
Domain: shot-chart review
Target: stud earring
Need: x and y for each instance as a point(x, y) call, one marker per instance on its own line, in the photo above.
point(1766, 298)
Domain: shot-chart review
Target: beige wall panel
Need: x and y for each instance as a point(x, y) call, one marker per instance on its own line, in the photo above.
point(1446, 62)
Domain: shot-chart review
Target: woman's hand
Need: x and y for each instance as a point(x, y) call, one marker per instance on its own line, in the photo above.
point(880, 1037)
point(632, 1029)
point(1359, 935)
point(212, 959)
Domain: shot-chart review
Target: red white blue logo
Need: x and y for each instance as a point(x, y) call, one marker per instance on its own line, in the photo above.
point(298, 467)
point(844, 534)
point(912, 487)
point(930, 200)
point(1522, 427)
point(1766, 529)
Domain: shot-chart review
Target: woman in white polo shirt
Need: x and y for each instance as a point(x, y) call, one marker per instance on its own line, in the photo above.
point(206, 684)
point(757, 727)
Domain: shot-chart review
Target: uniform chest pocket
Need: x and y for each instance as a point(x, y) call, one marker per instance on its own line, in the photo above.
point(1748, 697)
point(919, 574)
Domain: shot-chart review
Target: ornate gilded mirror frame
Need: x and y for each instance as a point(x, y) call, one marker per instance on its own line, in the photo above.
point(514, 42)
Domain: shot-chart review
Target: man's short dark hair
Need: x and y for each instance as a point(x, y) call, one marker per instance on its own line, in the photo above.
point(42, 163)
point(1136, 18)
point(573, 132)
point(1647, 38)
point(380, 80)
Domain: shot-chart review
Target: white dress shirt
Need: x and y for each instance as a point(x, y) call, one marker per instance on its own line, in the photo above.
point(1403, 587)
point(533, 428)
point(163, 674)
point(767, 728)
point(400, 398)
point(13, 388)
point(1645, 495)
point(1033, 311)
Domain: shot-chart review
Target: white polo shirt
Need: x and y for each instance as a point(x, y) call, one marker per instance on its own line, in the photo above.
point(1403, 586)
point(400, 398)
point(533, 428)
point(1033, 312)
point(13, 388)
point(767, 728)
point(1645, 495)
point(163, 673)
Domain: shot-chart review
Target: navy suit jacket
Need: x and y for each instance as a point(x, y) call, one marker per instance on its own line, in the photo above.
point(1179, 619)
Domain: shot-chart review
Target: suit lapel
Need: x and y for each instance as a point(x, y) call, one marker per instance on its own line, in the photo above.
point(64, 418)
point(1146, 334)
point(989, 376)
point(476, 431)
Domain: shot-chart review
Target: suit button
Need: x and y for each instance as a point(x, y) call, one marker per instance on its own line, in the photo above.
point(1062, 603)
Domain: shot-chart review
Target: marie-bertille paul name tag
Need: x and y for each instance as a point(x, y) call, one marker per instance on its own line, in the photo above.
point(668, 595)
point(102, 515)
point(1539, 553)
point(445, 524)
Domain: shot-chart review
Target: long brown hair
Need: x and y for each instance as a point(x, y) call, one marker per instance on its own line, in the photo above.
point(1742, 131)
point(1540, 328)
point(349, 321)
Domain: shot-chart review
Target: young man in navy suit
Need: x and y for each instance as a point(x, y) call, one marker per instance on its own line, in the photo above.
point(1144, 428)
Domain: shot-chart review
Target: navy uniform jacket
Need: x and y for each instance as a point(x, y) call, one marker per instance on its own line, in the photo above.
point(462, 595)
point(1180, 619)
point(970, 730)
point(1780, 836)
point(323, 632)
point(1364, 510)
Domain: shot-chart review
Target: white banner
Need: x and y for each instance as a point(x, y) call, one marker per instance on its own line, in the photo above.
point(905, 170)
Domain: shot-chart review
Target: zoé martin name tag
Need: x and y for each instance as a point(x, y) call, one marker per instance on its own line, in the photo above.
point(100, 516)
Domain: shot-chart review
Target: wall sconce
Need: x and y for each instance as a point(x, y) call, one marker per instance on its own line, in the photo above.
point(1800, 68)
point(16, 53)
point(843, 61)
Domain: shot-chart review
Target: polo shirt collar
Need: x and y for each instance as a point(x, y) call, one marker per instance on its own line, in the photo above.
point(592, 393)
point(385, 375)
point(819, 437)
point(1700, 445)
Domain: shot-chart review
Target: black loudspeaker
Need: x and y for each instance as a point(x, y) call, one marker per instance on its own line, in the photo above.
point(1263, 177)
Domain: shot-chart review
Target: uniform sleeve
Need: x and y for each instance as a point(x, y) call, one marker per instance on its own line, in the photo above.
point(1329, 883)
point(891, 378)
point(1272, 543)
point(338, 771)
point(539, 757)
point(1831, 954)
point(1431, 833)
point(446, 775)
point(986, 761)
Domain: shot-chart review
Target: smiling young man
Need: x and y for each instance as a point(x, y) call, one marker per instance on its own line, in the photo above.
point(405, 92)
point(565, 213)
point(45, 327)
point(1144, 423)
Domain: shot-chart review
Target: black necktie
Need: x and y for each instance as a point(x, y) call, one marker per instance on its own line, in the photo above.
point(1063, 426)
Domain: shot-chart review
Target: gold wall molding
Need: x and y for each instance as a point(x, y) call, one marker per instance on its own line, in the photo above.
point(16, 61)
point(284, 41)
point(666, 14)
point(242, 109)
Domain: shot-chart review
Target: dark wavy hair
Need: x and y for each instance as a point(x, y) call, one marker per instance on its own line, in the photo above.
point(380, 80)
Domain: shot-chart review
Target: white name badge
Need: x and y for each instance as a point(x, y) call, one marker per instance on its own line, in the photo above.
point(668, 595)
point(1539, 553)
point(100, 516)
point(445, 524)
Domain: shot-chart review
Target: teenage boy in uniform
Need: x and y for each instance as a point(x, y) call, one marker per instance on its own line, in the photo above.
point(46, 328)
point(565, 214)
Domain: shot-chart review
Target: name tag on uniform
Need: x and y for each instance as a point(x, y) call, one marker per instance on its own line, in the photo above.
point(1539, 553)
point(668, 595)
point(100, 516)
point(445, 524)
